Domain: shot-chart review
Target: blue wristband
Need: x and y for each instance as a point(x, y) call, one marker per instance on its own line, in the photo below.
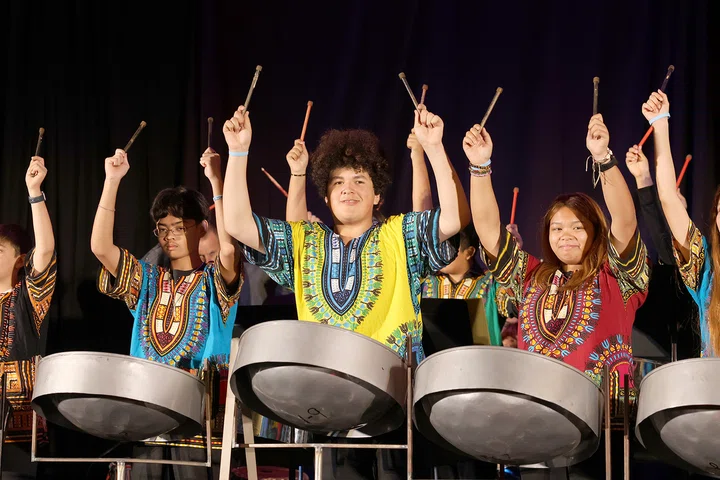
point(217, 197)
point(238, 154)
point(485, 164)
point(655, 119)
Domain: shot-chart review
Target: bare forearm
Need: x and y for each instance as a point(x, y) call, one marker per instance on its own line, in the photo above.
point(238, 212)
point(485, 213)
point(227, 248)
point(296, 208)
point(454, 209)
point(421, 194)
point(620, 204)
point(101, 241)
point(44, 237)
point(673, 209)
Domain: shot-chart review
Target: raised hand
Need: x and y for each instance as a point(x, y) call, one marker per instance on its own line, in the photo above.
point(210, 161)
point(117, 166)
point(598, 137)
point(513, 229)
point(297, 158)
point(637, 162)
point(238, 131)
point(657, 103)
point(35, 175)
point(428, 128)
point(477, 145)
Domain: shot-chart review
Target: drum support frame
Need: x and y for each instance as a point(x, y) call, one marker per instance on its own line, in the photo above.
point(121, 463)
point(230, 429)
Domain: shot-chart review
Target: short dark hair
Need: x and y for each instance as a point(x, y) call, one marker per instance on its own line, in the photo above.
point(180, 202)
point(17, 236)
point(469, 237)
point(356, 149)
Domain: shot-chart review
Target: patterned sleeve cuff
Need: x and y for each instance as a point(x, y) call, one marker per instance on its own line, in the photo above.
point(126, 284)
point(227, 298)
point(634, 270)
point(691, 269)
point(40, 287)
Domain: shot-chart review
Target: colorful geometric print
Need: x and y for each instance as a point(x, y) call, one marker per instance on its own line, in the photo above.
point(470, 287)
point(7, 322)
point(19, 378)
point(360, 277)
point(40, 287)
point(615, 353)
point(556, 322)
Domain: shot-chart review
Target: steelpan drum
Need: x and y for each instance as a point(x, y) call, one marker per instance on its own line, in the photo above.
point(504, 405)
point(319, 378)
point(678, 417)
point(117, 397)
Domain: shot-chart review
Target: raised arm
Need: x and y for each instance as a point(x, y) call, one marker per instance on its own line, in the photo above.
point(619, 202)
point(239, 220)
point(676, 215)
point(210, 161)
point(454, 210)
point(421, 194)
point(296, 208)
point(44, 238)
point(101, 241)
point(478, 147)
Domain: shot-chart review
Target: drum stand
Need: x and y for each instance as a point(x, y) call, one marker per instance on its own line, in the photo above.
point(625, 427)
point(121, 463)
point(5, 412)
point(230, 430)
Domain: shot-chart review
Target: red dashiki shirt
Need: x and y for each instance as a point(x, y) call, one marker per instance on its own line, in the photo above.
point(588, 327)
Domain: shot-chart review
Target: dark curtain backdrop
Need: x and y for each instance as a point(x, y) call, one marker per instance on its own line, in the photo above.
point(88, 72)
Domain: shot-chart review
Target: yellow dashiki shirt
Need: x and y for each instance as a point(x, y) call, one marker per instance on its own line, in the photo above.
point(177, 322)
point(371, 286)
point(22, 336)
point(481, 287)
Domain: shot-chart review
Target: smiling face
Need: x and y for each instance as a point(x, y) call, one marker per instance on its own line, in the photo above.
point(177, 237)
point(351, 196)
point(570, 237)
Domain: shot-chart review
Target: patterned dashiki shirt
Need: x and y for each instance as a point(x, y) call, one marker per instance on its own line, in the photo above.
point(177, 322)
point(697, 275)
point(587, 328)
point(23, 332)
point(371, 286)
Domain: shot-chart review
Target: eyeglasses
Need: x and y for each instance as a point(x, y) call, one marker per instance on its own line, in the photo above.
point(162, 232)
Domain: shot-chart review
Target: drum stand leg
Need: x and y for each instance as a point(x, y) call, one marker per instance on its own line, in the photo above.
point(626, 430)
point(3, 418)
point(408, 406)
point(318, 462)
point(120, 471)
point(608, 453)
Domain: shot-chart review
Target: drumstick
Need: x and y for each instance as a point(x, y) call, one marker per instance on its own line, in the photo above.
point(409, 90)
point(490, 108)
point(275, 182)
point(258, 69)
point(41, 134)
point(132, 139)
point(596, 82)
point(682, 172)
point(37, 147)
point(670, 70)
point(307, 119)
point(424, 93)
point(210, 124)
point(516, 190)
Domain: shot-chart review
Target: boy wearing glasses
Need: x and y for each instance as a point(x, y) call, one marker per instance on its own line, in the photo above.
point(182, 314)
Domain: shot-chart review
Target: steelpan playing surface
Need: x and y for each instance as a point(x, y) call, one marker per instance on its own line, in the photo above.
point(117, 397)
point(679, 414)
point(507, 406)
point(320, 378)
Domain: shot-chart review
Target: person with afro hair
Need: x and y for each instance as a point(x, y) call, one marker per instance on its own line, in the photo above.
point(359, 274)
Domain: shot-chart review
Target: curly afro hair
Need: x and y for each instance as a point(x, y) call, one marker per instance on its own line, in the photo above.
point(356, 149)
point(180, 202)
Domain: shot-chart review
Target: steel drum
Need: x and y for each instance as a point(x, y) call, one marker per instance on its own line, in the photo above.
point(678, 416)
point(504, 405)
point(320, 378)
point(117, 397)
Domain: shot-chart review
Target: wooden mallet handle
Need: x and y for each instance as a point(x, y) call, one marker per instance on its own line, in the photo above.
point(424, 93)
point(596, 83)
point(258, 69)
point(41, 134)
point(307, 119)
point(682, 172)
point(135, 135)
point(516, 190)
point(409, 90)
point(275, 182)
point(209, 131)
point(670, 70)
point(490, 108)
